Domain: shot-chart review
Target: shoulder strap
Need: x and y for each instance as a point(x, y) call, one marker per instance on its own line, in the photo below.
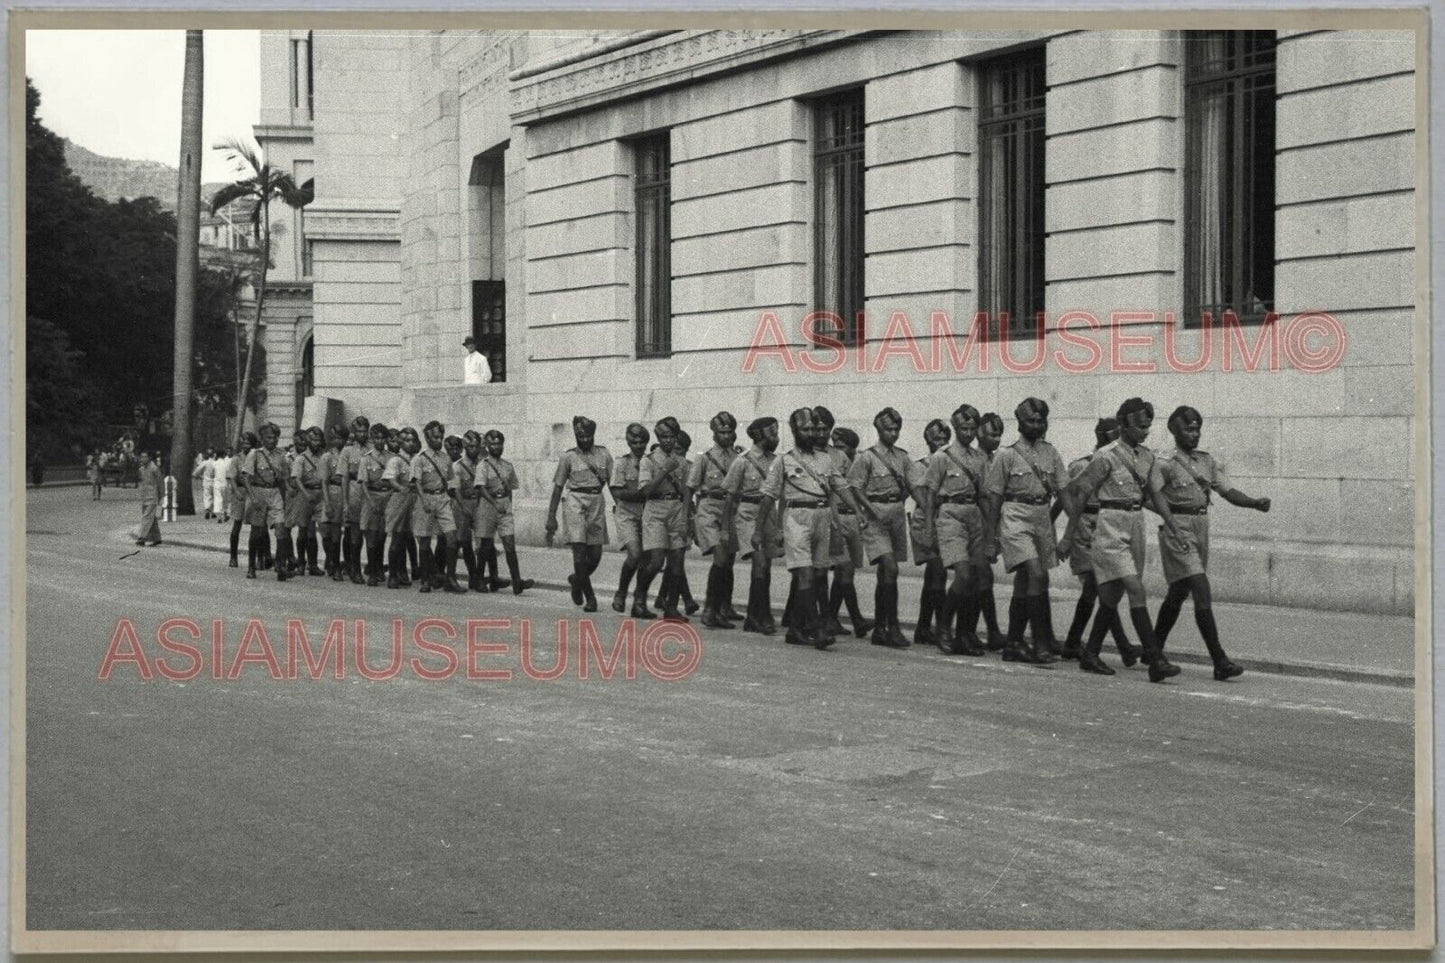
point(827, 489)
point(977, 488)
point(1043, 479)
point(1203, 485)
point(434, 464)
point(1143, 488)
point(897, 478)
point(585, 460)
point(709, 457)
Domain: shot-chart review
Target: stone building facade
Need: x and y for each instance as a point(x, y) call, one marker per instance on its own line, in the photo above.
point(616, 216)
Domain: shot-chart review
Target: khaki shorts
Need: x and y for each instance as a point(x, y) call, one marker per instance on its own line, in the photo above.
point(806, 536)
point(301, 507)
point(265, 508)
point(960, 534)
point(398, 513)
point(431, 515)
point(745, 522)
point(1026, 532)
point(495, 521)
point(373, 511)
point(1194, 560)
point(888, 534)
point(924, 551)
point(629, 528)
point(327, 516)
point(355, 498)
point(463, 512)
point(708, 523)
point(584, 518)
point(1118, 550)
point(1081, 561)
point(848, 550)
point(664, 525)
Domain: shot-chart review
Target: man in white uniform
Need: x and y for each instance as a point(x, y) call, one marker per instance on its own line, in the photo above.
point(477, 370)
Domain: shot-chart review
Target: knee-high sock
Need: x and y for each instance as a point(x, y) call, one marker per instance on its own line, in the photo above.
point(1085, 607)
point(1204, 618)
point(1145, 630)
point(629, 569)
point(236, 539)
point(835, 597)
point(989, 610)
point(1018, 614)
point(927, 600)
point(1104, 616)
point(1116, 628)
point(1169, 610)
point(515, 567)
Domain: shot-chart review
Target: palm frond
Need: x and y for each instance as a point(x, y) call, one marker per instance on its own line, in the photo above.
point(231, 192)
point(285, 187)
point(247, 156)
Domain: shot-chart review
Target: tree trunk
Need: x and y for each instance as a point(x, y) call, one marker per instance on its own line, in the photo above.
point(188, 230)
point(256, 321)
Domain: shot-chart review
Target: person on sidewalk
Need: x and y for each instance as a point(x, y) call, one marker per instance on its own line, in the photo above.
point(432, 478)
point(1081, 561)
point(222, 499)
point(662, 477)
point(627, 503)
point(496, 480)
point(397, 476)
point(264, 477)
point(952, 491)
point(331, 512)
point(208, 483)
point(376, 496)
point(92, 475)
point(923, 535)
point(1023, 481)
point(353, 496)
point(249, 442)
point(854, 528)
point(150, 488)
point(805, 485)
point(1124, 474)
point(705, 480)
point(1190, 478)
point(464, 453)
point(582, 474)
point(880, 477)
point(744, 484)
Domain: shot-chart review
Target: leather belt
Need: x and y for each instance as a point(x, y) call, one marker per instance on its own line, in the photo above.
point(755, 499)
point(1091, 510)
point(1189, 510)
point(334, 480)
point(586, 491)
point(717, 495)
point(1028, 499)
point(959, 500)
point(806, 503)
point(674, 497)
point(1120, 506)
point(439, 491)
point(312, 486)
point(377, 487)
point(887, 498)
point(845, 510)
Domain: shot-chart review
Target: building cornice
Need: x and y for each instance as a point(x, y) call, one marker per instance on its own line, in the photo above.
point(352, 221)
point(658, 62)
point(265, 132)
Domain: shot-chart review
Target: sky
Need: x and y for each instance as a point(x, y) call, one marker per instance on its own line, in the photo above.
point(118, 92)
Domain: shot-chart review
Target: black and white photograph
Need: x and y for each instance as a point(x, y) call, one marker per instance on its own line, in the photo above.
point(638, 480)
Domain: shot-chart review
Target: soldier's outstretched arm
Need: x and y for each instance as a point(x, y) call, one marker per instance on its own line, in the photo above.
point(1239, 499)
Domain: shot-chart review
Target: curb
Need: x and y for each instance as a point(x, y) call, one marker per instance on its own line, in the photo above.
point(1308, 670)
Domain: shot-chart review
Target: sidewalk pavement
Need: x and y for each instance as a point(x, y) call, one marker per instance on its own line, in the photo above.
point(1347, 646)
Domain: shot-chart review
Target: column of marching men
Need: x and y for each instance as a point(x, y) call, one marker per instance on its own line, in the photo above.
point(381, 503)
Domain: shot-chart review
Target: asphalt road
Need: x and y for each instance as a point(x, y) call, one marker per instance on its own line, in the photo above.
point(775, 787)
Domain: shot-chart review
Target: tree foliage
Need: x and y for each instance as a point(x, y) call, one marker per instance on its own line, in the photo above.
point(100, 292)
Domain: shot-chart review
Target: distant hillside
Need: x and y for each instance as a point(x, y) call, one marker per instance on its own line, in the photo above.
point(116, 177)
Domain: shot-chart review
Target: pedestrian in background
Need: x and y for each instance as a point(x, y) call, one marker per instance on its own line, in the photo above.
point(149, 530)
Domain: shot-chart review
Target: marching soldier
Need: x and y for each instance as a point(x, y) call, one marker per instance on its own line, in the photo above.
point(264, 479)
point(332, 510)
point(923, 533)
point(990, 433)
point(662, 476)
point(353, 496)
point(464, 453)
point(627, 502)
point(303, 494)
point(584, 471)
point(496, 480)
point(1023, 480)
point(432, 478)
point(952, 490)
point(395, 445)
point(744, 485)
point(823, 593)
point(1124, 474)
point(706, 480)
point(1190, 477)
point(397, 476)
point(805, 484)
point(853, 527)
point(376, 495)
point(880, 477)
point(249, 441)
point(684, 587)
point(1081, 558)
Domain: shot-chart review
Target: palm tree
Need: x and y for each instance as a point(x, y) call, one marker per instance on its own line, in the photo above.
point(261, 184)
point(188, 228)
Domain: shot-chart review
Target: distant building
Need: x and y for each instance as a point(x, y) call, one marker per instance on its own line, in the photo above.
point(613, 217)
